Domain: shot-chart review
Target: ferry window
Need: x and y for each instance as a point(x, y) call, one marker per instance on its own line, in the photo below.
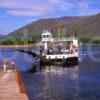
point(44, 36)
point(47, 36)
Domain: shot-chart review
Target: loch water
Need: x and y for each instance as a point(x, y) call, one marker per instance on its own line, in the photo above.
point(54, 82)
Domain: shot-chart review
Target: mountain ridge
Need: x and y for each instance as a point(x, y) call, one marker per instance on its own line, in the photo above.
point(86, 26)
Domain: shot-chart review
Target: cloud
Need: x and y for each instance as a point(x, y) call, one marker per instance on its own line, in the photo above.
point(31, 11)
point(25, 12)
point(85, 4)
point(61, 4)
point(33, 7)
point(88, 7)
point(43, 8)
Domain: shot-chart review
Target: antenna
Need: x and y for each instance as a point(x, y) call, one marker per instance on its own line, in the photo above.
point(59, 34)
point(49, 29)
point(43, 30)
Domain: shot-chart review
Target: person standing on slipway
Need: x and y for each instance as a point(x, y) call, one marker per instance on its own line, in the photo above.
point(13, 64)
point(5, 65)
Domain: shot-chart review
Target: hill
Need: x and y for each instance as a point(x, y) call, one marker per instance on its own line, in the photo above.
point(86, 27)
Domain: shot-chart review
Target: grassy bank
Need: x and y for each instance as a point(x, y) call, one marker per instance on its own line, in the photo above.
point(28, 43)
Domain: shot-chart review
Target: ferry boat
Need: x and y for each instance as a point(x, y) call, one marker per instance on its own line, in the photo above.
point(53, 50)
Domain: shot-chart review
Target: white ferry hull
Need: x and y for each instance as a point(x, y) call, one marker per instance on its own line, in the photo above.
point(72, 61)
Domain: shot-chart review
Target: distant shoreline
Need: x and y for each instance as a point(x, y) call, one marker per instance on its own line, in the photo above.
point(87, 44)
point(16, 45)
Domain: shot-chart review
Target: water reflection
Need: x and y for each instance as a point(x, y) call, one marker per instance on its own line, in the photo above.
point(80, 82)
point(56, 83)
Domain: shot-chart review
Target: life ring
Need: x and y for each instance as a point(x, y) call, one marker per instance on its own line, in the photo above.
point(74, 46)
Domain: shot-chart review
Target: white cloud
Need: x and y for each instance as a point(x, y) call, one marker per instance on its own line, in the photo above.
point(61, 4)
point(86, 7)
point(33, 7)
point(85, 4)
point(42, 8)
point(35, 11)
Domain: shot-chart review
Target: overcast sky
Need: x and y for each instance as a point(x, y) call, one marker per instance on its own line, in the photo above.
point(17, 13)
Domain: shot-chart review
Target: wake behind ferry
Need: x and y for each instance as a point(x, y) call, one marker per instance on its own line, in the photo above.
point(57, 50)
